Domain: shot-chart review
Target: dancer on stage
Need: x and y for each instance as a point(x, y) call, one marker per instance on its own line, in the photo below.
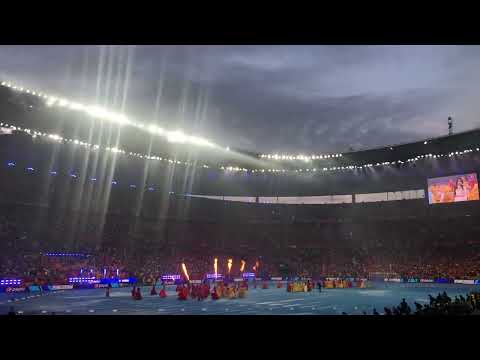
point(183, 293)
point(138, 294)
point(205, 291)
point(153, 291)
point(309, 286)
point(215, 294)
point(242, 292)
point(163, 293)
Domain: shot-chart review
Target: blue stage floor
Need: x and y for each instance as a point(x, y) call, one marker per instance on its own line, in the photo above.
point(258, 302)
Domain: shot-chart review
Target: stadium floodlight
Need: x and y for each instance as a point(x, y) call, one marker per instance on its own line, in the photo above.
point(51, 100)
point(176, 137)
point(155, 129)
point(97, 112)
point(76, 106)
point(199, 141)
point(119, 118)
point(101, 113)
point(55, 137)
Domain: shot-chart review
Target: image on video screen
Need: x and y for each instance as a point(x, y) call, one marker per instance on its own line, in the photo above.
point(456, 188)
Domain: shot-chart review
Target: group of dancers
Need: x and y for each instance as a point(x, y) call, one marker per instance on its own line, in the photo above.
point(219, 290)
point(233, 290)
point(195, 291)
point(345, 284)
point(137, 294)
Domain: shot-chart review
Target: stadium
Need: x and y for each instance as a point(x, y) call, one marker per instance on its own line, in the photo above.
point(105, 215)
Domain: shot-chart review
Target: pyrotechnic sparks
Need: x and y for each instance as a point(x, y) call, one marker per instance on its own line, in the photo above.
point(184, 268)
point(229, 265)
point(215, 267)
point(242, 266)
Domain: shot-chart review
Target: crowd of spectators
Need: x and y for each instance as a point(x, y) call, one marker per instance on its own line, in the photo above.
point(39, 268)
point(21, 256)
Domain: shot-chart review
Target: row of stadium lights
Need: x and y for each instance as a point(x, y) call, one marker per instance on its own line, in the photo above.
point(353, 167)
point(57, 138)
point(305, 158)
point(115, 150)
point(176, 136)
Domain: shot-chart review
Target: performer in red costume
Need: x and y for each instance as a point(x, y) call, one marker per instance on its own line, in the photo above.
point(183, 293)
point(138, 294)
point(134, 292)
point(163, 293)
point(153, 291)
point(203, 292)
point(214, 293)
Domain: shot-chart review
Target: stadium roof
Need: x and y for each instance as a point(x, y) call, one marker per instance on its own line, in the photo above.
point(29, 111)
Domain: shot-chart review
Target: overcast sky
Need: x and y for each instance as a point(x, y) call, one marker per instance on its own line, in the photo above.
point(313, 99)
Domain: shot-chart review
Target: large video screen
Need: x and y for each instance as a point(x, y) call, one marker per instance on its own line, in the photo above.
point(454, 188)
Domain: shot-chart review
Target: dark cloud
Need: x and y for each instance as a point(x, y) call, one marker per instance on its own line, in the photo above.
point(268, 98)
